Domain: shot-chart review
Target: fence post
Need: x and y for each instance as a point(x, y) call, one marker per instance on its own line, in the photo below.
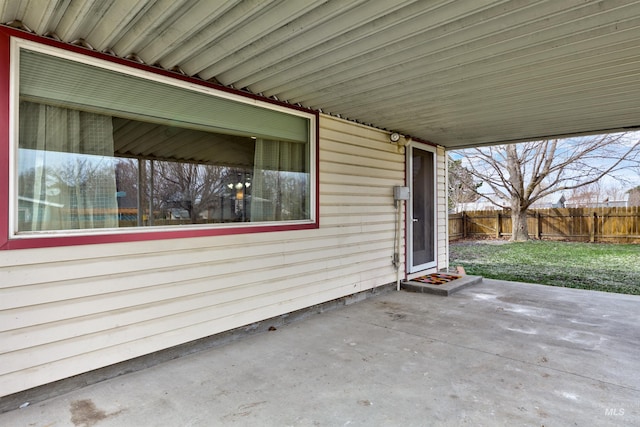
point(498, 228)
point(464, 225)
point(594, 224)
point(538, 227)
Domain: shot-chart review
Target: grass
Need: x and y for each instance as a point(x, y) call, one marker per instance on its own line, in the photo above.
point(601, 267)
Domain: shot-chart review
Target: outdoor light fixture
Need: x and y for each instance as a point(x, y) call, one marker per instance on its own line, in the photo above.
point(394, 137)
point(239, 185)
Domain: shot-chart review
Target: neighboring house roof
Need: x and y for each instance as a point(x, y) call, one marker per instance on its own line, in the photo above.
point(453, 73)
point(482, 204)
point(603, 204)
point(549, 202)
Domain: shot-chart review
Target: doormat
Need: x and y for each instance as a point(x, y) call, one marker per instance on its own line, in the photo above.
point(436, 278)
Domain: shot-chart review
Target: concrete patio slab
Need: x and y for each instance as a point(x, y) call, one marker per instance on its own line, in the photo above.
point(499, 353)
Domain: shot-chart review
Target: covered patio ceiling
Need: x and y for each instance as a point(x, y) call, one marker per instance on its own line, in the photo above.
point(456, 73)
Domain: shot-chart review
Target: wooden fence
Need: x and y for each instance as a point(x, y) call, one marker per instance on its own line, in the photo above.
point(615, 225)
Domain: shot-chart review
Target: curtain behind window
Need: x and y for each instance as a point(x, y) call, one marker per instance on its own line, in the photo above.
point(279, 189)
point(66, 169)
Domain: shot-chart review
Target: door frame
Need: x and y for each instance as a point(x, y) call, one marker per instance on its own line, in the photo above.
point(409, 216)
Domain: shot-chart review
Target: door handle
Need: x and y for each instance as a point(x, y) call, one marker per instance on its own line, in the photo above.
point(415, 220)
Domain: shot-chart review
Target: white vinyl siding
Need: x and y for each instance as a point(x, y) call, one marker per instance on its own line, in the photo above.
point(68, 310)
point(441, 208)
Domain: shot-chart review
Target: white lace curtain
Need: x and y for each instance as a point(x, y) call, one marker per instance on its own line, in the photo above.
point(66, 169)
point(278, 191)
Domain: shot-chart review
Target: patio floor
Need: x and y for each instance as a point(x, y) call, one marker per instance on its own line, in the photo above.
point(498, 353)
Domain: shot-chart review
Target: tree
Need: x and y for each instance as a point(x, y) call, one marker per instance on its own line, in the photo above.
point(585, 196)
point(189, 186)
point(614, 192)
point(127, 181)
point(524, 173)
point(462, 186)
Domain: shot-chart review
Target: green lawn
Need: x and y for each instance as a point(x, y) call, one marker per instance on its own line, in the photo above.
point(602, 267)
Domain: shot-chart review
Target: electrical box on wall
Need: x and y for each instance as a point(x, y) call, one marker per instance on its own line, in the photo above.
point(400, 193)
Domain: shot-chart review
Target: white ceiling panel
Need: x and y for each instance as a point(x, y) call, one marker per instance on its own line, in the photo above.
point(456, 73)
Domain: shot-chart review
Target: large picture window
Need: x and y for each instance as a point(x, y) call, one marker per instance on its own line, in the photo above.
point(101, 149)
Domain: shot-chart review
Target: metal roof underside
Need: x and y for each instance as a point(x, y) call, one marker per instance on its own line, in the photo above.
point(456, 73)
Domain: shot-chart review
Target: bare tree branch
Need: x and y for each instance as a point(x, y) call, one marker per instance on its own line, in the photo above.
point(521, 174)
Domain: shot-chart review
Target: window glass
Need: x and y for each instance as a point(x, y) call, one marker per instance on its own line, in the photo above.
point(98, 149)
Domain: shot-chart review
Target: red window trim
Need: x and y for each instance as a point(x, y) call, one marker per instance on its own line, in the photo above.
point(6, 243)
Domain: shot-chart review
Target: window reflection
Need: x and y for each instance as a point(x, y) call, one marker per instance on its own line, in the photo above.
point(81, 170)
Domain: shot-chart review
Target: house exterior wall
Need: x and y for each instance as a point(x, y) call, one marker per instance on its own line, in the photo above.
point(442, 211)
point(68, 310)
